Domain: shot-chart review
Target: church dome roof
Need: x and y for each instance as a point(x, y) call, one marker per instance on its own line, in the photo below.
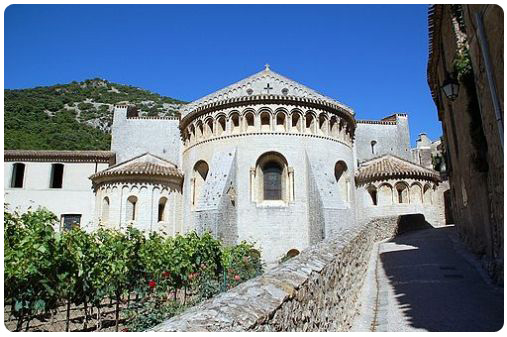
point(265, 85)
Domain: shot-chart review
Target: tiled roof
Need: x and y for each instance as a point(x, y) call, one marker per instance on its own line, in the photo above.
point(389, 166)
point(146, 165)
point(239, 90)
point(61, 156)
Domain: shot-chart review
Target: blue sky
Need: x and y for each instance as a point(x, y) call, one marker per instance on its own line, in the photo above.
point(371, 57)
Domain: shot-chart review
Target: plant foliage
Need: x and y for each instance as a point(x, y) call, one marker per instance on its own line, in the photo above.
point(44, 269)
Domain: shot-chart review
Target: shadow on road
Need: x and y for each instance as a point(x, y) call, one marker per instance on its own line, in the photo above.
point(436, 287)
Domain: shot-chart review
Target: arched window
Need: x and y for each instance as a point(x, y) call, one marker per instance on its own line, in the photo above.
point(192, 133)
point(200, 174)
point(250, 122)
point(416, 194)
point(323, 125)
point(235, 122)
point(427, 198)
point(265, 121)
point(296, 122)
point(221, 125)
point(280, 122)
point(162, 216)
point(333, 126)
point(56, 180)
point(209, 127)
point(372, 192)
point(310, 123)
point(132, 208)
point(342, 179)
point(402, 193)
point(292, 253)
point(385, 194)
point(18, 175)
point(199, 130)
point(373, 143)
point(272, 178)
point(105, 210)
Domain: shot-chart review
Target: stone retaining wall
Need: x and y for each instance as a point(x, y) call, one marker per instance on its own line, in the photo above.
point(315, 291)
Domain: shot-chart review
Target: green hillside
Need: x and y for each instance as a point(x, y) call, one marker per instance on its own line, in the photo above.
point(74, 116)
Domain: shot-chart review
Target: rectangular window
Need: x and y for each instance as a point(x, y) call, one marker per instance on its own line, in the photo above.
point(69, 221)
point(56, 176)
point(18, 175)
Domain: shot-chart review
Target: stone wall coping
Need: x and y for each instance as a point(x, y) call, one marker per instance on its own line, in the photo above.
point(60, 156)
point(254, 302)
point(367, 121)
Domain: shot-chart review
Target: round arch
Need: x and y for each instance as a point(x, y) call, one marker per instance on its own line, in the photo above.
point(272, 177)
point(402, 192)
point(341, 174)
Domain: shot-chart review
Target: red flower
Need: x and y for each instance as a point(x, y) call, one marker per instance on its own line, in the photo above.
point(191, 276)
point(166, 274)
point(125, 330)
point(237, 277)
point(152, 284)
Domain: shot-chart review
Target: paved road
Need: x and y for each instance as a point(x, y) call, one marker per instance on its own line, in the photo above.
point(426, 281)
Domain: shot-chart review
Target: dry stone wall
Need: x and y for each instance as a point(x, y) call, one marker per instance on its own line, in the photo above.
point(314, 291)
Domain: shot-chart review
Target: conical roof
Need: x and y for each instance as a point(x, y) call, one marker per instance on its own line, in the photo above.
point(146, 165)
point(389, 166)
point(266, 83)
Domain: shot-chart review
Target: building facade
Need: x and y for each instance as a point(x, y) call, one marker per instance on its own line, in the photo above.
point(267, 160)
point(466, 50)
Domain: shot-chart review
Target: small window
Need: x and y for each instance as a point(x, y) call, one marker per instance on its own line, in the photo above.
point(162, 209)
point(131, 208)
point(372, 191)
point(250, 119)
point(295, 120)
point(56, 176)
point(69, 221)
point(373, 143)
point(105, 210)
point(200, 174)
point(235, 120)
point(341, 175)
point(18, 175)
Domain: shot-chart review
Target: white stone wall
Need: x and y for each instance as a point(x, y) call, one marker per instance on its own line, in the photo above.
point(148, 196)
point(430, 205)
point(132, 137)
point(391, 137)
point(75, 197)
point(276, 227)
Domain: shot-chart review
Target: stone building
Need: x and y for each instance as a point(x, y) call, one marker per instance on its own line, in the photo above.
point(466, 60)
point(266, 159)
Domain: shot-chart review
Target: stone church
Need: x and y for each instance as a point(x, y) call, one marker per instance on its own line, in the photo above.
point(266, 159)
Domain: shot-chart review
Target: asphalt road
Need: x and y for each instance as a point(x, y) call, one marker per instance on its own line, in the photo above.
point(426, 281)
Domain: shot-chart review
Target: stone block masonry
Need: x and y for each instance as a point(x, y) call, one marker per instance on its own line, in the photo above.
point(315, 291)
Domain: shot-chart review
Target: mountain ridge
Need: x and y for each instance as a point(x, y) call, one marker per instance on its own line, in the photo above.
point(74, 116)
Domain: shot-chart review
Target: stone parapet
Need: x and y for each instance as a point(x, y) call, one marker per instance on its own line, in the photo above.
point(314, 291)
